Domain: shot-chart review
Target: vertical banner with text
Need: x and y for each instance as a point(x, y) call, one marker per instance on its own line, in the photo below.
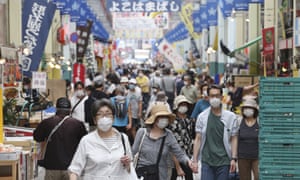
point(37, 18)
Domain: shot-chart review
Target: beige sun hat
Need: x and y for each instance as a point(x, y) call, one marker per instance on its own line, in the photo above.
point(160, 110)
point(124, 79)
point(249, 102)
point(180, 99)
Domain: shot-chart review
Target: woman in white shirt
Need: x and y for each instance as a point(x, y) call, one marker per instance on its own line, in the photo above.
point(104, 153)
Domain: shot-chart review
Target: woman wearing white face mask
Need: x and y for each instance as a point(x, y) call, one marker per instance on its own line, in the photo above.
point(104, 153)
point(248, 140)
point(182, 127)
point(154, 140)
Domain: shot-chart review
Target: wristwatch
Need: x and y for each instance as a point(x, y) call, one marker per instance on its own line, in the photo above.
point(234, 158)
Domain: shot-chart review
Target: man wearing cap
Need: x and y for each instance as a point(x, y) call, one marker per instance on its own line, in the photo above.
point(216, 139)
point(63, 143)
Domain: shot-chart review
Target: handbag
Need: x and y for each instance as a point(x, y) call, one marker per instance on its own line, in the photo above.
point(151, 172)
point(234, 176)
point(43, 145)
point(136, 156)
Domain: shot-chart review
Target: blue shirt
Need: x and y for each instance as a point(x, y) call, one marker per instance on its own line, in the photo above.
point(200, 106)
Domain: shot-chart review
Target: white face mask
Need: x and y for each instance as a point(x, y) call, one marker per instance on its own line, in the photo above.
point(215, 102)
point(185, 83)
point(248, 112)
point(205, 94)
point(104, 124)
point(79, 93)
point(163, 122)
point(182, 109)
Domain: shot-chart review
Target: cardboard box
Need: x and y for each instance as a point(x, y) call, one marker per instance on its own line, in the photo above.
point(241, 81)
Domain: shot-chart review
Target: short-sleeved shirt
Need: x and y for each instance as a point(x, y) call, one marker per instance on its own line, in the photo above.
point(214, 153)
point(191, 93)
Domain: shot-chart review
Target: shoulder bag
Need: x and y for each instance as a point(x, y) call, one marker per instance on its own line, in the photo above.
point(136, 156)
point(151, 172)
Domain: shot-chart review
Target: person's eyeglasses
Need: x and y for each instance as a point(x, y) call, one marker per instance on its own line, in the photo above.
point(101, 115)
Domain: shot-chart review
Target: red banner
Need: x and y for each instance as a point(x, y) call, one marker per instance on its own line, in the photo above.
point(78, 72)
point(268, 40)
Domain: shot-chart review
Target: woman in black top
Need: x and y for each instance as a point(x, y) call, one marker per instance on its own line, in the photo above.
point(248, 140)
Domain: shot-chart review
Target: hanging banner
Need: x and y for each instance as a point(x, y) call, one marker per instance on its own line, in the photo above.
point(143, 5)
point(226, 7)
point(196, 21)
point(37, 17)
point(171, 54)
point(297, 32)
point(84, 34)
point(257, 1)
point(78, 72)
point(203, 17)
point(180, 32)
point(186, 17)
point(268, 40)
point(212, 12)
point(241, 5)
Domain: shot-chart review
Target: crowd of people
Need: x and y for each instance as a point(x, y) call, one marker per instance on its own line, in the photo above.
point(152, 123)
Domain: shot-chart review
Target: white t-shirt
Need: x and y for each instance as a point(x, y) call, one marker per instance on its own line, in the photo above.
point(78, 112)
point(94, 160)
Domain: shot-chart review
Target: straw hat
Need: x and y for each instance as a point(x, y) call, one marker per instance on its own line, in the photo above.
point(159, 110)
point(249, 102)
point(132, 81)
point(180, 99)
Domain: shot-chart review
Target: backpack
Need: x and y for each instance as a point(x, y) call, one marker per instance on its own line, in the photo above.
point(120, 104)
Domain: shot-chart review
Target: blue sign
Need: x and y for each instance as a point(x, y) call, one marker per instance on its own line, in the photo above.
point(226, 7)
point(257, 1)
point(178, 33)
point(37, 18)
point(241, 5)
point(143, 5)
point(196, 21)
point(203, 17)
point(75, 10)
point(212, 12)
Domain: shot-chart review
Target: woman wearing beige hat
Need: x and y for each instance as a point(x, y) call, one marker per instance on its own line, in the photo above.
point(248, 140)
point(154, 143)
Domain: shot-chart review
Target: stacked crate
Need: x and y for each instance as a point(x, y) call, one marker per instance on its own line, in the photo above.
point(279, 134)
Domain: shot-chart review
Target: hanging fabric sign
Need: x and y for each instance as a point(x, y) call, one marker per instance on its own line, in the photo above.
point(226, 7)
point(203, 17)
point(37, 18)
point(171, 54)
point(212, 13)
point(241, 5)
point(143, 5)
point(196, 21)
point(180, 32)
point(257, 1)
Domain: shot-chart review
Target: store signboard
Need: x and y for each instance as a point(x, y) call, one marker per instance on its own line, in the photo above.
point(37, 18)
point(143, 5)
point(172, 55)
point(78, 72)
point(39, 80)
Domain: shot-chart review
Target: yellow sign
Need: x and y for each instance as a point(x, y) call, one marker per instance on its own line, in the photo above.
point(185, 15)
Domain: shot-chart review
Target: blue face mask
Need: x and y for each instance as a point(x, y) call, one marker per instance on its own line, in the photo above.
point(131, 86)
